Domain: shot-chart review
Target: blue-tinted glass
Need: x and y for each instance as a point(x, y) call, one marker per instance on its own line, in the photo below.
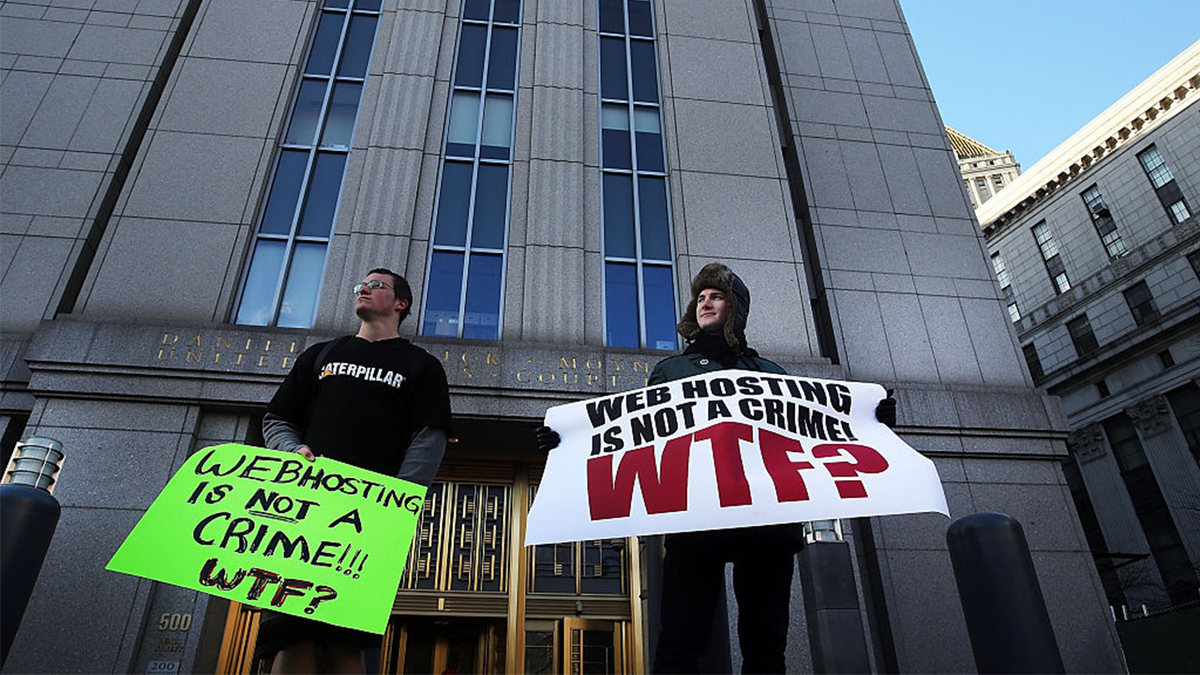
point(507, 11)
point(612, 16)
point(303, 283)
point(306, 113)
point(649, 140)
point(614, 134)
point(612, 69)
point(342, 4)
point(618, 216)
point(316, 220)
point(621, 305)
point(502, 66)
point(640, 21)
point(339, 120)
point(259, 294)
point(482, 317)
point(464, 124)
point(652, 207)
point(497, 126)
point(356, 55)
point(645, 71)
point(491, 203)
point(368, 5)
point(649, 149)
point(476, 9)
point(616, 149)
point(454, 204)
point(324, 44)
point(445, 290)
point(472, 40)
point(285, 192)
point(660, 307)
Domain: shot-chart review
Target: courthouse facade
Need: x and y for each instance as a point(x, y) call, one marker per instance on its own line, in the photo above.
point(1097, 248)
point(191, 187)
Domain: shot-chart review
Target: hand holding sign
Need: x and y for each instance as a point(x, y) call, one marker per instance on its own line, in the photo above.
point(320, 539)
point(721, 450)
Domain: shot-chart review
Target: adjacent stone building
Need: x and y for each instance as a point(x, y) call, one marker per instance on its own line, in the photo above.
point(985, 171)
point(190, 188)
point(1097, 250)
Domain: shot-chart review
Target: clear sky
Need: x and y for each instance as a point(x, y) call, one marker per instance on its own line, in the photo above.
point(1022, 75)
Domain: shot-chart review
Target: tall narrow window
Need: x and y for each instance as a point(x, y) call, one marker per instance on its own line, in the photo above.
point(1082, 336)
point(1054, 263)
point(1141, 303)
point(465, 283)
point(639, 275)
point(1102, 218)
point(295, 225)
point(1034, 363)
point(1001, 270)
point(1164, 184)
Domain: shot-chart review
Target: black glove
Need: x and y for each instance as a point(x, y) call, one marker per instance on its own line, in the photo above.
point(548, 439)
point(886, 410)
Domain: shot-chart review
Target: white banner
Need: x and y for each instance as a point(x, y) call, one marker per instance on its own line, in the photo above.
point(727, 449)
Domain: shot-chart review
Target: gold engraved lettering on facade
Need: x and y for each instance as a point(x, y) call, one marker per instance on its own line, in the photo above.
point(570, 365)
point(491, 360)
point(644, 367)
point(574, 380)
point(287, 361)
point(170, 338)
point(195, 342)
point(593, 380)
point(262, 360)
point(223, 341)
point(194, 355)
point(593, 364)
point(546, 377)
point(521, 375)
point(165, 354)
point(616, 365)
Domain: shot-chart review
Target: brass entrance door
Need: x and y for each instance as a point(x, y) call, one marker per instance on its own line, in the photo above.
point(593, 647)
point(447, 647)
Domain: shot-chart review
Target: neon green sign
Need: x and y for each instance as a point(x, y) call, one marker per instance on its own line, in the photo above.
point(323, 540)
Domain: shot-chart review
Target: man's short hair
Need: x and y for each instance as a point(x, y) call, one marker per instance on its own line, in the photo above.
point(400, 287)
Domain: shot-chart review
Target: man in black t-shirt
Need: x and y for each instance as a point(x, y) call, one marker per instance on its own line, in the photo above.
point(373, 400)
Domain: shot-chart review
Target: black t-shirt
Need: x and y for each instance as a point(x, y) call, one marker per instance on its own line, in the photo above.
point(367, 402)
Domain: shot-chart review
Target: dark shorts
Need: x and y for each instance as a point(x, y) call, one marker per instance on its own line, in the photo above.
point(277, 631)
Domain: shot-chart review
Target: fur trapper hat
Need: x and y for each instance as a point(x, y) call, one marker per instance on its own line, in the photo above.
point(737, 296)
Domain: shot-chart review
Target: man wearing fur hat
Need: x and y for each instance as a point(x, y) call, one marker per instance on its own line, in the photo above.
point(763, 558)
point(693, 569)
point(714, 325)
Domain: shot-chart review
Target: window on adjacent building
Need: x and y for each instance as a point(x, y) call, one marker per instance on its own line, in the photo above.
point(1034, 363)
point(1054, 264)
point(1102, 219)
point(283, 278)
point(1194, 260)
point(639, 273)
point(1082, 336)
point(1155, 517)
point(1102, 389)
point(1013, 312)
point(998, 182)
point(1164, 184)
point(464, 287)
point(1165, 359)
point(1001, 270)
point(982, 185)
point(1141, 303)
